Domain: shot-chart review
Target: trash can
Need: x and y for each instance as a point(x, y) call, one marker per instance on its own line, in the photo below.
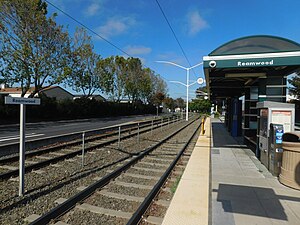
point(290, 168)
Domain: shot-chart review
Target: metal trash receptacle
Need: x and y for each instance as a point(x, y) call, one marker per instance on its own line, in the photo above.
point(290, 168)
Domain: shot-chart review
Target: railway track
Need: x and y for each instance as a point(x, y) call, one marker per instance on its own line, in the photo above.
point(61, 179)
point(121, 196)
point(52, 154)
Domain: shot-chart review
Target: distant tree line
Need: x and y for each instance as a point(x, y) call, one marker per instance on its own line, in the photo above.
point(50, 109)
point(37, 52)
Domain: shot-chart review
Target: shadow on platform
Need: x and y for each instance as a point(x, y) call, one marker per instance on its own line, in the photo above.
point(249, 200)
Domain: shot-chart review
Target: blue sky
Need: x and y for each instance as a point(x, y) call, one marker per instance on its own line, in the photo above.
point(139, 28)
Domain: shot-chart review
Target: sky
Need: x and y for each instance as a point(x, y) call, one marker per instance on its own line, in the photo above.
point(139, 28)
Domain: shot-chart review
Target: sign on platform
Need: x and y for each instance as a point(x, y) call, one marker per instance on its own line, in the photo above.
point(22, 102)
point(25, 101)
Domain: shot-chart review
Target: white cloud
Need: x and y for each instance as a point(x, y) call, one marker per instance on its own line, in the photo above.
point(92, 9)
point(116, 26)
point(195, 23)
point(137, 50)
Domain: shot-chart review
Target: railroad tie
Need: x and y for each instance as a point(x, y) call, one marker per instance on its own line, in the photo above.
point(31, 218)
point(56, 153)
point(154, 220)
point(43, 157)
point(7, 167)
point(38, 171)
point(61, 223)
point(60, 200)
point(120, 196)
point(140, 186)
point(141, 176)
point(100, 210)
point(154, 164)
point(148, 169)
point(30, 162)
point(158, 159)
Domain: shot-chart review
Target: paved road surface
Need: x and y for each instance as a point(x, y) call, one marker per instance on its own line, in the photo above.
point(9, 134)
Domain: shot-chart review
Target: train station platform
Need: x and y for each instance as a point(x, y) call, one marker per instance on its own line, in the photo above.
point(224, 183)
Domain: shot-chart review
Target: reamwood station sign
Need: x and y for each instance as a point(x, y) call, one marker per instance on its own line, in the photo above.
point(250, 61)
point(22, 102)
point(259, 63)
point(25, 101)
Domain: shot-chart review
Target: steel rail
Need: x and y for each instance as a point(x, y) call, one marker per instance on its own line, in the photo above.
point(38, 165)
point(128, 127)
point(71, 202)
point(137, 216)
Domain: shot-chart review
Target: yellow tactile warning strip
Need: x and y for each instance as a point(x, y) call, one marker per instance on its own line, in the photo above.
point(190, 204)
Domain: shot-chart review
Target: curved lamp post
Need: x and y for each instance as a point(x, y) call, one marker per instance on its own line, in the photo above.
point(187, 82)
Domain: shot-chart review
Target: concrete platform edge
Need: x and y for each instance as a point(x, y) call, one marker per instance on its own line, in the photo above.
point(191, 202)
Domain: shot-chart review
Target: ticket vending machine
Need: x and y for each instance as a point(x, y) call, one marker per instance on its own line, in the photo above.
point(275, 148)
point(262, 148)
point(276, 113)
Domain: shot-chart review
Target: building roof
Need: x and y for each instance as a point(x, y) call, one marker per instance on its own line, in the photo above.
point(238, 64)
point(256, 44)
point(14, 90)
point(18, 90)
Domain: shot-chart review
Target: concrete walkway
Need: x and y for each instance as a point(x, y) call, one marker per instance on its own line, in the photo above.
point(243, 191)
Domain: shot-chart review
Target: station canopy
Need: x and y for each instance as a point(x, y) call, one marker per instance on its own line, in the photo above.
point(241, 62)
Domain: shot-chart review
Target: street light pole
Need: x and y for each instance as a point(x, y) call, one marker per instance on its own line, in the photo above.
point(187, 94)
point(187, 82)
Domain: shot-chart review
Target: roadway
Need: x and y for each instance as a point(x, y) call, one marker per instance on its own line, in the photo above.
point(9, 134)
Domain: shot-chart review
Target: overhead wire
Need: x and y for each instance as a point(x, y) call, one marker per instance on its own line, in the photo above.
point(86, 27)
point(175, 36)
point(92, 31)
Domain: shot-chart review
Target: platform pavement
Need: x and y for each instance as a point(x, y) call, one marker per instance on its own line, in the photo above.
point(243, 191)
point(235, 189)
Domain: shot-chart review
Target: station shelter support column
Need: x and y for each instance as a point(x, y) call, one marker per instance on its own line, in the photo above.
point(233, 117)
point(247, 110)
point(272, 88)
point(236, 114)
point(228, 117)
point(250, 111)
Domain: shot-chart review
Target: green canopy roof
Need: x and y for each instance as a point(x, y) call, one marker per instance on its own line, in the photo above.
point(231, 68)
point(256, 44)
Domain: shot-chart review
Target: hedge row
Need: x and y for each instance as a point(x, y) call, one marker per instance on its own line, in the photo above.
point(71, 109)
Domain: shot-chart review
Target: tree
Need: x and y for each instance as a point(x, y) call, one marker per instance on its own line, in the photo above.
point(295, 82)
point(106, 70)
point(83, 74)
point(34, 49)
point(159, 90)
point(200, 105)
point(158, 98)
point(113, 72)
point(179, 102)
point(133, 78)
point(146, 85)
point(170, 103)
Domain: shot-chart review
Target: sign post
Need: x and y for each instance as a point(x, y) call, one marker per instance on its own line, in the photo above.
point(22, 102)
